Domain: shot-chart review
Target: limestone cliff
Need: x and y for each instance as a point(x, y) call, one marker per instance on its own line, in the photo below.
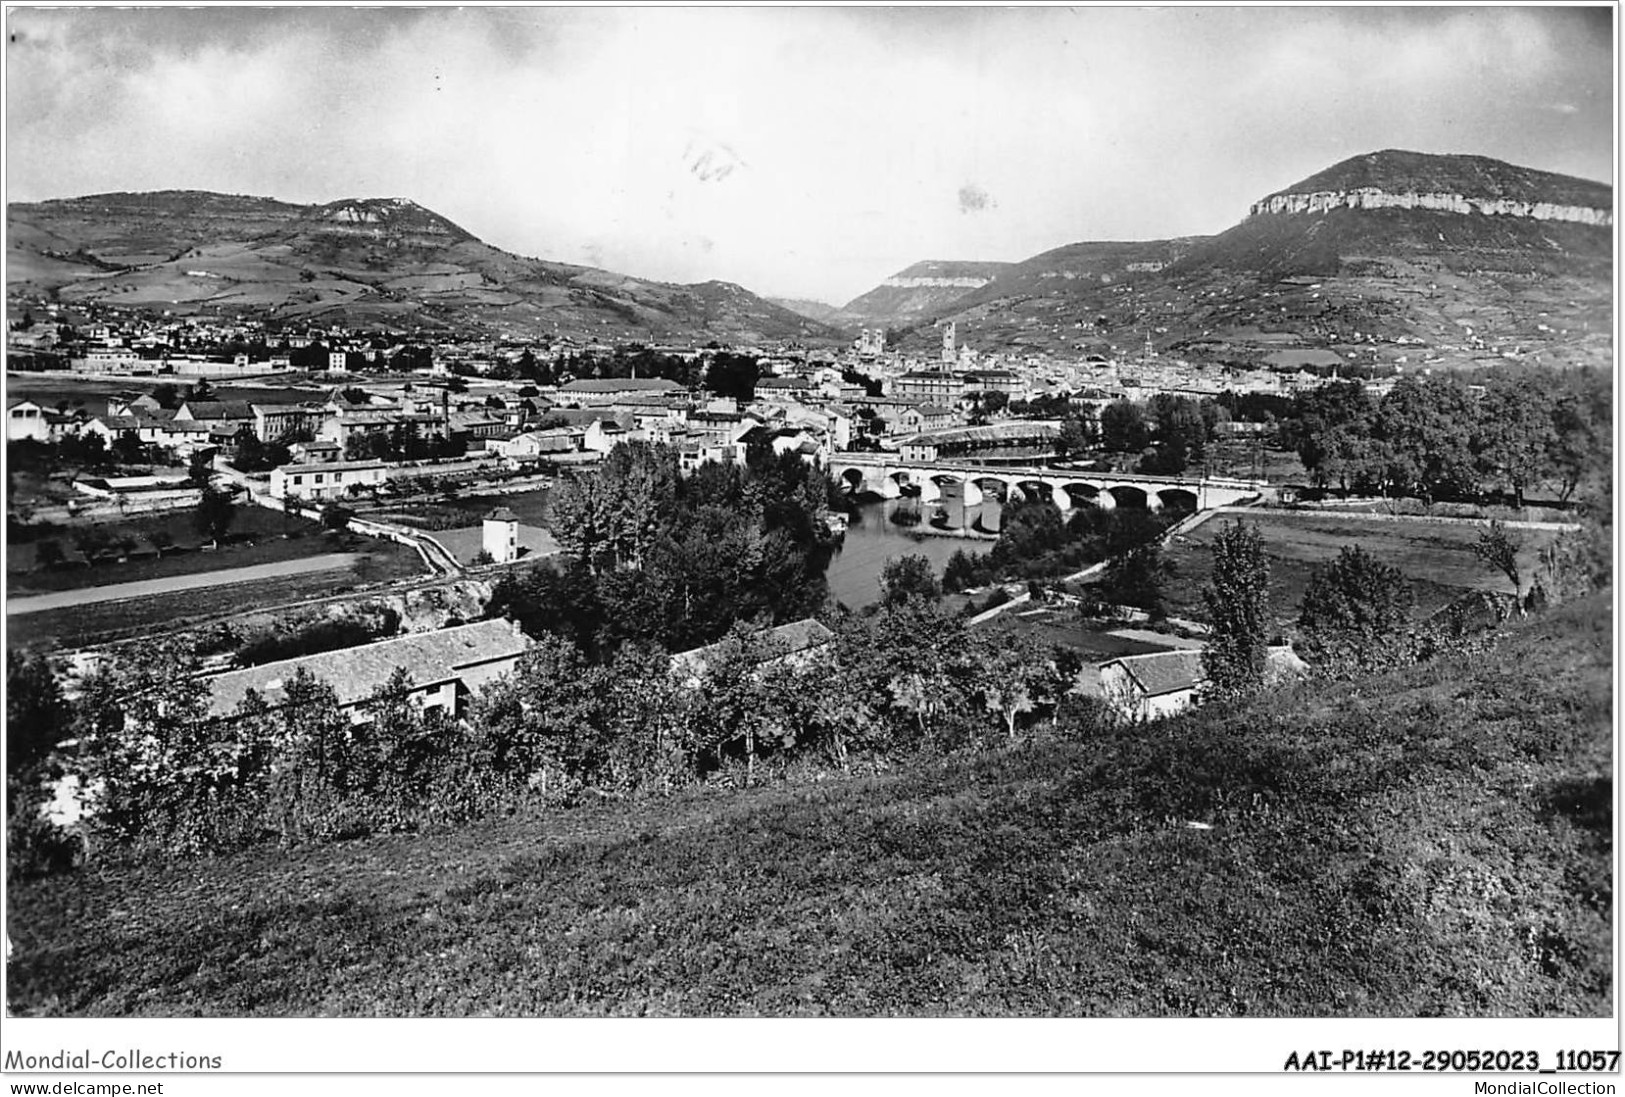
point(1372, 198)
point(920, 292)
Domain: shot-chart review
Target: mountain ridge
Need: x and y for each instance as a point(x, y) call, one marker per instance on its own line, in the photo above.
point(388, 262)
point(1360, 257)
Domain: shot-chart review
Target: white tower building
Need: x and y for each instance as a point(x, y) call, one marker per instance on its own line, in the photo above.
point(501, 541)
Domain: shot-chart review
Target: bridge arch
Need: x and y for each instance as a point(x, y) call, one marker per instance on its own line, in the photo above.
point(1180, 500)
point(1086, 495)
point(852, 479)
point(992, 486)
point(901, 482)
point(1035, 491)
point(937, 485)
point(1127, 495)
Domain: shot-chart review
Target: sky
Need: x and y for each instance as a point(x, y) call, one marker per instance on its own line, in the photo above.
point(801, 152)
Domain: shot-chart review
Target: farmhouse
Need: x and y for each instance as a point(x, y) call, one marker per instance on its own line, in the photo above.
point(447, 668)
point(1163, 683)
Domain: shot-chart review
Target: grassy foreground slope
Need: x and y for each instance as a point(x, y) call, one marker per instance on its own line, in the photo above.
point(1434, 841)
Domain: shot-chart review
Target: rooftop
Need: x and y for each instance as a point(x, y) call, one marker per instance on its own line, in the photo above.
point(623, 384)
point(466, 544)
point(780, 642)
point(358, 673)
point(1164, 672)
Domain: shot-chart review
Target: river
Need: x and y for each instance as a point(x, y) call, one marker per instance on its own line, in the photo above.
point(871, 539)
point(874, 537)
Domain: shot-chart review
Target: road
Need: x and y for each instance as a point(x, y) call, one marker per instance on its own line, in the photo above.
point(113, 592)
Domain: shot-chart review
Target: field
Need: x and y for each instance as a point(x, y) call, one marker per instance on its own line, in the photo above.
point(1432, 842)
point(104, 622)
point(1060, 626)
point(256, 537)
point(1438, 558)
point(92, 394)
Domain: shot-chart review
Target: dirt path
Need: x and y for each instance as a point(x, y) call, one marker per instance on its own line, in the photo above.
point(116, 591)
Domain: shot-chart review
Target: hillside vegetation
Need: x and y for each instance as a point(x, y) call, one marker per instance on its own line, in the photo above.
point(1432, 841)
point(356, 261)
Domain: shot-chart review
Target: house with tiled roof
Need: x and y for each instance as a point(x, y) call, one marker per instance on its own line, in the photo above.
point(610, 389)
point(273, 422)
point(238, 413)
point(148, 429)
point(1156, 684)
point(926, 417)
point(448, 667)
point(319, 480)
point(794, 644)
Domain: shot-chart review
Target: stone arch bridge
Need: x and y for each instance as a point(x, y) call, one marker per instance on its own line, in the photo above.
point(890, 476)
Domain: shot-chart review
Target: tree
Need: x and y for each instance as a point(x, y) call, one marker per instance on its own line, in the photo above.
point(140, 719)
point(1356, 593)
point(88, 449)
point(733, 375)
point(1135, 578)
point(1180, 435)
point(1354, 611)
point(961, 572)
point(908, 578)
point(1015, 675)
point(928, 663)
point(610, 517)
point(36, 714)
point(1425, 431)
point(128, 449)
point(316, 767)
point(336, 517)
point(1498, 548)
point(540, 722)
point(168, 396)
point(1077, 435)
point(1122, 427)
point(200, 469)
point(215, 512)
point(1238, 606)
point(1580, 438)
point(1330, 427)
point(1516, 431)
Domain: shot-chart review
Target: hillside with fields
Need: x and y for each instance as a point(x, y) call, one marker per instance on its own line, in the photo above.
point(1388, 258)
point(360, 262)
point(1432, 841)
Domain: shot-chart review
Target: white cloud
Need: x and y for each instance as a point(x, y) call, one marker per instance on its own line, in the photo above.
point(806, 151)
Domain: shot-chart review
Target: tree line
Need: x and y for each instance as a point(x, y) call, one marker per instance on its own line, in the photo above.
point(1037, 542)
point(172, 779)
point(1441, 438)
